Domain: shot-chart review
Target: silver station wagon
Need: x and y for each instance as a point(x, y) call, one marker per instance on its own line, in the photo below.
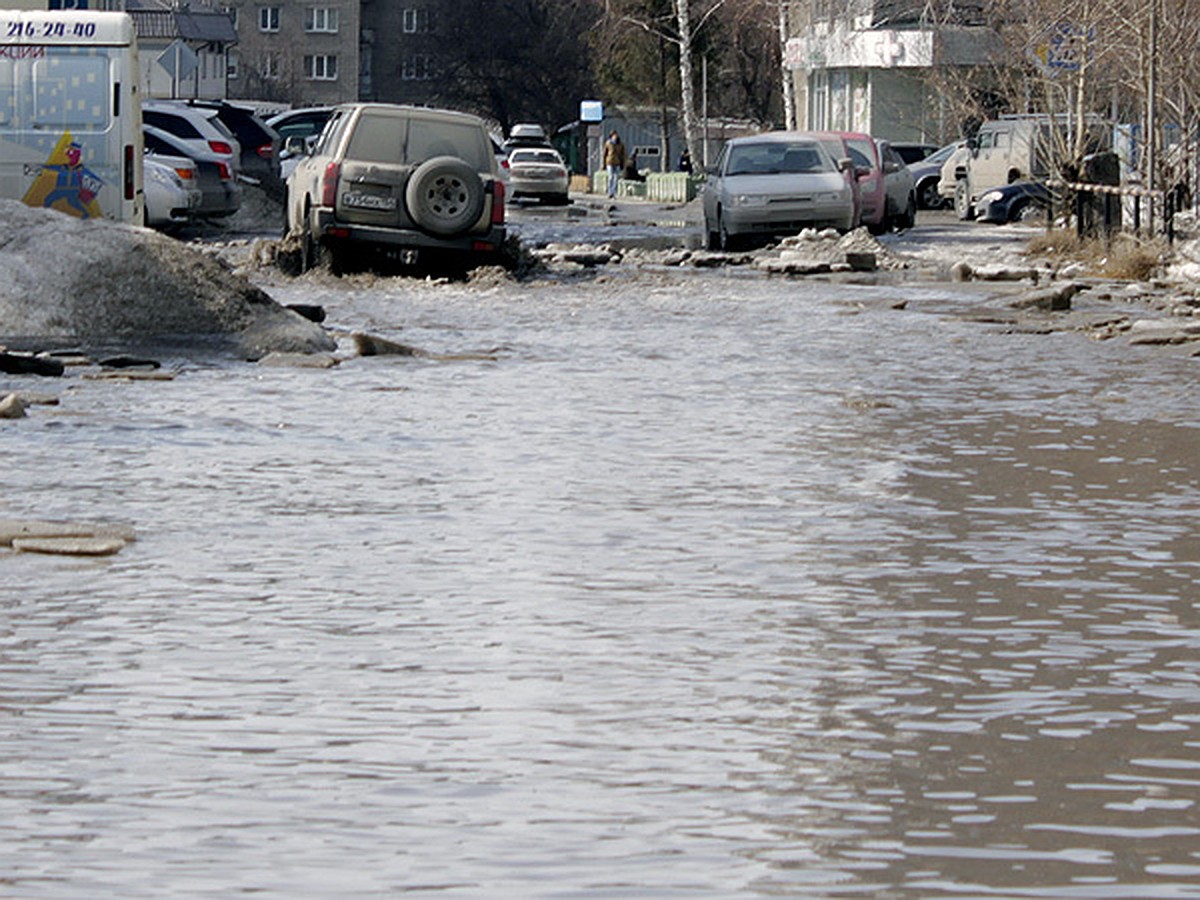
point(408, 182)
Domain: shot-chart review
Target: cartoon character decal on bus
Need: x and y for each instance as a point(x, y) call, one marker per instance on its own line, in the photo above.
point(65, 183)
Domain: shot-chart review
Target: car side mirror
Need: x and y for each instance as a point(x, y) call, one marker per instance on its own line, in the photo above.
point(296, 146)
point(845, 164)
point(890, 167)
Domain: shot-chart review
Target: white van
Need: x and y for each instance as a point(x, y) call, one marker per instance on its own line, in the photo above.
point(1016, 147)
point(70, 113)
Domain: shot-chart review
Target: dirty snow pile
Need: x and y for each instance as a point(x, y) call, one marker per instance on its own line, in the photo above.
point(813, 251)
point(1185, 266)
point(62, 277)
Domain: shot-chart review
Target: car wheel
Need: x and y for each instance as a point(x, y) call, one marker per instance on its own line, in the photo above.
point(310, 250)
point(341, 259)
point(444, 196)
point(909, 219)
point(1026, 211)
point(928, 192)
point(963, 207)
point(287, 199)
point(712, 239)
point(725, 240)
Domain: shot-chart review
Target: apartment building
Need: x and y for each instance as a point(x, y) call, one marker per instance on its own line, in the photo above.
point(294, 53)
point(400, 50)
point(316, 52)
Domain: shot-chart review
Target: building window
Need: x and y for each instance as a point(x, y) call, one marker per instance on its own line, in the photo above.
point(320, 68)
point(231, 66)
point(270, 66)
point(268, 18)
point(820, 100)
point(321, 18)
point(417, 68)
point(418, 21)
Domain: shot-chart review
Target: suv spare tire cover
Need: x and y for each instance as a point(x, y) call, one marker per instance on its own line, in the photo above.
point(444, 195)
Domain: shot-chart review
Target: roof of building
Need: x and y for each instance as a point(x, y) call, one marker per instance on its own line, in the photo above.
point(207, 27)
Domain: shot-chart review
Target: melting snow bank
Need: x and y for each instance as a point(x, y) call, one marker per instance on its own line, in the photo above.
point(63, 278)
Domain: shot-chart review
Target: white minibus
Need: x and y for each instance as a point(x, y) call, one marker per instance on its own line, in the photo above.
point(70, 113)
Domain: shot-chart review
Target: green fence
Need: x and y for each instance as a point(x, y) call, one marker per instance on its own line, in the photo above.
point(661, 187)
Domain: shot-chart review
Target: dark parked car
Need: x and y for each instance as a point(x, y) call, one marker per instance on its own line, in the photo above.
point(259, 141)
point(1016, 202)
point(926, 174)
point(912, 153)
point(306, 123)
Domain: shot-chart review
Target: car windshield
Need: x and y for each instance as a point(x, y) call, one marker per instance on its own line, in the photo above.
point(777, 158)
point(534, 156)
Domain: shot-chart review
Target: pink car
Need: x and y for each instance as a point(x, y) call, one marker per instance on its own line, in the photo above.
point(868, 171)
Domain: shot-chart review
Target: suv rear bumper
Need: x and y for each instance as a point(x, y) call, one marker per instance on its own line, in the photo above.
point(329, 228)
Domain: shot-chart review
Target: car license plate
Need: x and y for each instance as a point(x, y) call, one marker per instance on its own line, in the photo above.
point(369, 201)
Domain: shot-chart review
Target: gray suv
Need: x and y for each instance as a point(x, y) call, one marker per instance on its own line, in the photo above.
point(410, 182)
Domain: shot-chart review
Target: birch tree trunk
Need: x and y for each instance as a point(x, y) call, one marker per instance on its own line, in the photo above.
point(687, 86)
point(785, 74)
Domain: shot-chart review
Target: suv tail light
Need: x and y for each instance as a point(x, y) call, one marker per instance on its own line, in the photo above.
point(223, 172)
point(497, 202)
point(266, 151)
point(220, 147)
point(329, 184)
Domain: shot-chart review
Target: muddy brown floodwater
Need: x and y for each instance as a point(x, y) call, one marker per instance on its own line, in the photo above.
point(659, 584)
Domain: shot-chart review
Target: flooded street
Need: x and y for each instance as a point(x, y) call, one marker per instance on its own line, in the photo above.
point(651, 583)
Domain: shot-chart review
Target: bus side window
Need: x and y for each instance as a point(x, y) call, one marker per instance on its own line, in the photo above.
point(71, 92)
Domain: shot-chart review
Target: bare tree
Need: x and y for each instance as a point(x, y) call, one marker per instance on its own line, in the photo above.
point(748, 52)
point(533, 65)
point(681, 28)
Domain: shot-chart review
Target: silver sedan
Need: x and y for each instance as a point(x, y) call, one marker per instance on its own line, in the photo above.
point(773, 185)
point(538, 172)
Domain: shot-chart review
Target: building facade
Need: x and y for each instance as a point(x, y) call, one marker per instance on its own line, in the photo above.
point(317, 52)
point(880, 66)
point(401, 40)
point(294, 53)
